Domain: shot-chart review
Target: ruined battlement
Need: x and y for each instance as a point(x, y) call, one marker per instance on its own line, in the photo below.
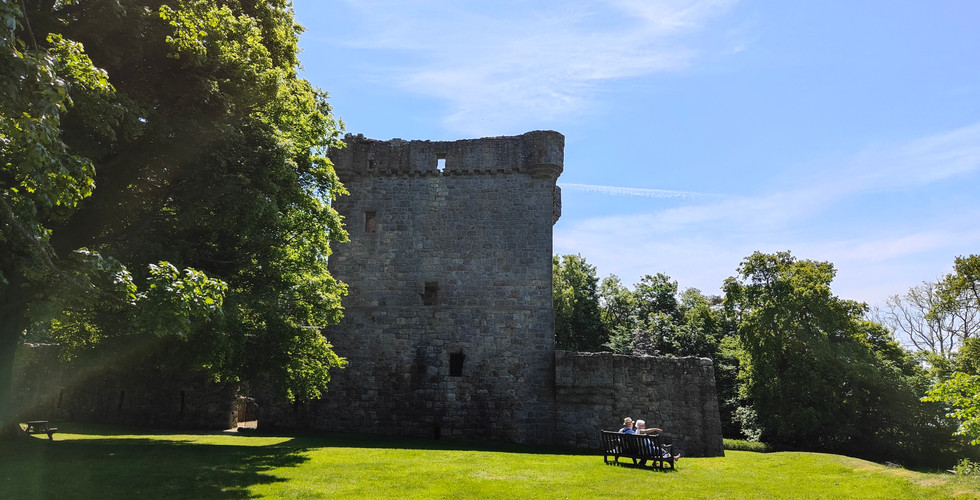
point(539, 154)
point(448, 325)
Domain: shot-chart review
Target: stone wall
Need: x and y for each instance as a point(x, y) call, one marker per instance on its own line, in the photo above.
point(448, 324)
point(131, 390)
point(596, 390)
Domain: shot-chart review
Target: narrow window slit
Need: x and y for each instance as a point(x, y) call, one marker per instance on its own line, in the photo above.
point(456, 364)
point(370, 221)
point(431, 293)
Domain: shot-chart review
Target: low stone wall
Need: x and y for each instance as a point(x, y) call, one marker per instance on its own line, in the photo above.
point(137, 389)
point(596, 390)
point(593, 392)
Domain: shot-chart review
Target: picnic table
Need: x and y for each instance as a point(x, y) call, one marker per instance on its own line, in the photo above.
point(40, 427)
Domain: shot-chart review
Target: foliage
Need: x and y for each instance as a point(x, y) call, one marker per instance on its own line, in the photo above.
point(960, 394)
point(617, 306)
point(655, 294)
point(928, 322)
point(962, 286)
point(212, 191)
point(742, 445)
point(818, 376)
point(578, 325)
point(967, 467)
point(620, 341)
point(112, 463)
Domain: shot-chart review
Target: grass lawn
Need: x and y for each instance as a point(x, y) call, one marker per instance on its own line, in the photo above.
point(107, 462)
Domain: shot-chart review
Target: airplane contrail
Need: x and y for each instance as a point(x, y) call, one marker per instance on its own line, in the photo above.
point(641, 192)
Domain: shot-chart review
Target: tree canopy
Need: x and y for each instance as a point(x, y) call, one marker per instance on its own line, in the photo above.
point(165, 171)
point(578, 325)
point(817, 375)
point(961, 391)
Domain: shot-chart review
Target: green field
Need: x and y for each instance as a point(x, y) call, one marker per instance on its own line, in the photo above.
point(104, 462)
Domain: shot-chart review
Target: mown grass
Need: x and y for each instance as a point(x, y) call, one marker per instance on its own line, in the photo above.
point(98, 462)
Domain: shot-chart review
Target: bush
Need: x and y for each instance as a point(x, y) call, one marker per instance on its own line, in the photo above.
point(967, 467)
point(742, 445)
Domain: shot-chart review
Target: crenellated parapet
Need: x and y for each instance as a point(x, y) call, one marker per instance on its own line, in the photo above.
point(539, 154)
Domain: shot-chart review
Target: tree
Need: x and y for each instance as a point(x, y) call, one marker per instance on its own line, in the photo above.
point(578, 325)
point(41, 178)
point(210, 157)
point(817, 375)
point(958, 290)
point(930, 323)
point(617, 304)
point(961, 392)
point(617, 309)
point(656, 294)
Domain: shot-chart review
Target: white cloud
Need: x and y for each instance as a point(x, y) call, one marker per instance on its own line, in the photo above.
point(529, 63)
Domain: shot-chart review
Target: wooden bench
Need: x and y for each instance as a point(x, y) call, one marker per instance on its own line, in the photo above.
point(40, 427)
point(639, 447)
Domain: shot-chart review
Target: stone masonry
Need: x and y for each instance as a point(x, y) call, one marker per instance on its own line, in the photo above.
point(596, 390)
point(448, 325)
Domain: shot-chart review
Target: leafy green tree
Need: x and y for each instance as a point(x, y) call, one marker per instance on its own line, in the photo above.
point(578, 323)
point(964, 282)
point(42, 181)
point(181, 137)
point(961, 391)
point(617, 308)
point(815, 374)
point(656, 294)
point(617, 304)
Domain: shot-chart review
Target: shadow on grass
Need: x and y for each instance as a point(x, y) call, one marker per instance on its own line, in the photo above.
point(110, 462)
point(319, 439)
point(137, 468)
point(649, 467)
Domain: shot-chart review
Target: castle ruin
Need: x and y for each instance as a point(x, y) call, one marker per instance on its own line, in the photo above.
point(449, 323)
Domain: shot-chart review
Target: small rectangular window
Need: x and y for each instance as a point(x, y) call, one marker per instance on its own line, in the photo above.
point(431, 293)
point(441, 162)
point(370, 221)
point(420, 364)
point(456, 364)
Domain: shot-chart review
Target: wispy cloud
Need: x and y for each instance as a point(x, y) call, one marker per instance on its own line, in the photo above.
point(701, 241)
point(529, 63)
point(919, 162)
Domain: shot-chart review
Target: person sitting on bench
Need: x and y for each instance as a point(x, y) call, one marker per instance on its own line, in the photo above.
point(642, 429)
point(627, 426)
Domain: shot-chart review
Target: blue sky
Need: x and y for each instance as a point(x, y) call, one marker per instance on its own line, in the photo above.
point(696, 132)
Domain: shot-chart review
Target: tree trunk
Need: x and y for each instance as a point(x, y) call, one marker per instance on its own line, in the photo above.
point(10, 330)
point(13, 322)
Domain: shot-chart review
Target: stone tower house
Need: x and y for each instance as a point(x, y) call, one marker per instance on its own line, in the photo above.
point(448, 324)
